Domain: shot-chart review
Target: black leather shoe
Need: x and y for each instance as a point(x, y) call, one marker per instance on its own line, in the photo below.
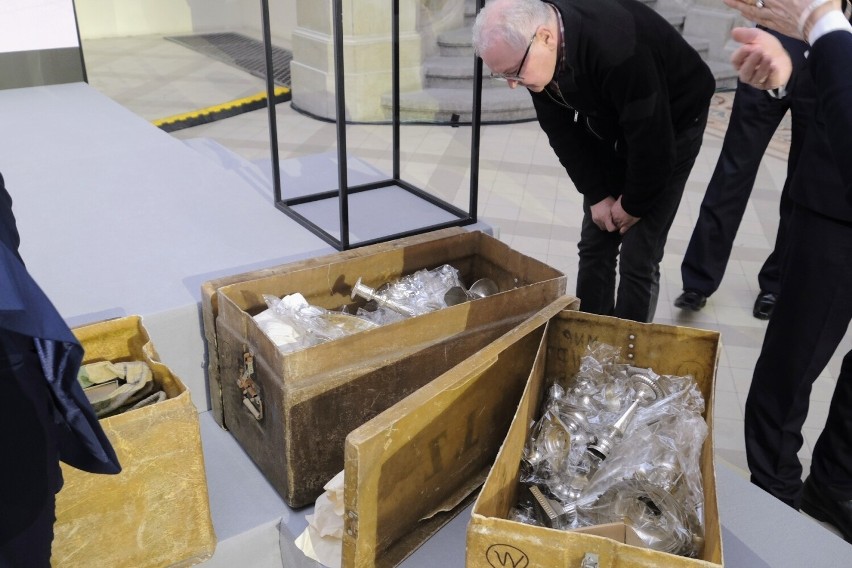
point(823, 508)
point(764, 305)
point(691, 300)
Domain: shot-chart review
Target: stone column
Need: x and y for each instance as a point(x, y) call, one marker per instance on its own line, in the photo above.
point(366, 56)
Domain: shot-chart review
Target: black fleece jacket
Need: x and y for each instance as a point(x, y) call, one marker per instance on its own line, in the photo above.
point(628, 84)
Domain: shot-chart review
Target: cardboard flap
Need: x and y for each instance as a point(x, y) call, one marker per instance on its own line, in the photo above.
point(433, 448)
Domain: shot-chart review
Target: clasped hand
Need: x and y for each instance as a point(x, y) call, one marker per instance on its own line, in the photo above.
point(609, 216)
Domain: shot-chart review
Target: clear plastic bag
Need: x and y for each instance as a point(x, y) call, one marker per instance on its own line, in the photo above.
point(617, 442)
point(293, 324)
point(416, 294)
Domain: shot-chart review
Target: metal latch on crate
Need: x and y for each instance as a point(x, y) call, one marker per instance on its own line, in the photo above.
point(590, 560)
point(251, 394)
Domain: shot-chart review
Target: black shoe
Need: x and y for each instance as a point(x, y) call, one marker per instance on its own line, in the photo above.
point(824, 508)
point(691, 300)
point(764, 305)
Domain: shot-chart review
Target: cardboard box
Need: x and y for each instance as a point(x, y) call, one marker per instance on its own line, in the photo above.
point(411, 469)
point(293, 411)
point(493, 540)
point(156, 511)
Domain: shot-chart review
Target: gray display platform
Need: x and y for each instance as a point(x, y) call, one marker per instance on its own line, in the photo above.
point(117, 218)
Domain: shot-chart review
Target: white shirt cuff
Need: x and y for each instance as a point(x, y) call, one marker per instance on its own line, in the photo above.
point(830, 22)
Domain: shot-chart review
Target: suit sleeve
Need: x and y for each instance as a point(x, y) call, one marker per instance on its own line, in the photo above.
point(797, 49)
point(830, 62)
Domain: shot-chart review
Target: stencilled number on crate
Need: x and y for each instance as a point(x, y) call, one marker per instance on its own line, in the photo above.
point(506, 556)
point(437, 444)
point(435, 454)
point(470, 438)
point(574, 345)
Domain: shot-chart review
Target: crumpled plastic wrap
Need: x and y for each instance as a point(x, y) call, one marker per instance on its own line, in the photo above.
point(420, 292)
point(292, 323)
point(618, 443)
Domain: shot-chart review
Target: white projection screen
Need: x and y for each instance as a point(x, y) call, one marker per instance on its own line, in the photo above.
point(39, 43)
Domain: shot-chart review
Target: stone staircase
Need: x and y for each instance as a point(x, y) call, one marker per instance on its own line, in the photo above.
point(448, 76)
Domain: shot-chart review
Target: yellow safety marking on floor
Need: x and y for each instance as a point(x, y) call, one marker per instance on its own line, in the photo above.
point(220, 108)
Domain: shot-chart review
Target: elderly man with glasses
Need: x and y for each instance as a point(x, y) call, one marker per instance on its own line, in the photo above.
point(623, 100)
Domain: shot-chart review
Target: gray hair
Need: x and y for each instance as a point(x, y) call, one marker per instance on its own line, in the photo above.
point(508, 21)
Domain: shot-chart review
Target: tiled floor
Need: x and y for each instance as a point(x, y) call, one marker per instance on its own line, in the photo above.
point(523, 193)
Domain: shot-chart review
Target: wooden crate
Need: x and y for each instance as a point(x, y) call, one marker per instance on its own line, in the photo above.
point(493, 540)
point(411, 469)
point(311, 399)
point(156, 511)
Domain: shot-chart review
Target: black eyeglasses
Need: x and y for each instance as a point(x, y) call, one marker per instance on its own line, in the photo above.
point(516, 76)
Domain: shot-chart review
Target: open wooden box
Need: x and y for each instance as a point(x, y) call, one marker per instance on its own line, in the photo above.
point(304, 403)
point(493, 540)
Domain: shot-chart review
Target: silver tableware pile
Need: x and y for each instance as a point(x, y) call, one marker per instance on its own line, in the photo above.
point(618, 443)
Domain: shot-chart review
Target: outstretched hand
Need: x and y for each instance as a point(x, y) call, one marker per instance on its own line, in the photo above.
point(761, 61)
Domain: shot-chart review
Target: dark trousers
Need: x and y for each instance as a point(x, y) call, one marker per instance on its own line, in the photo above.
point(810, 319)
point(754, 118)
point(30, 475)
point(637, 253)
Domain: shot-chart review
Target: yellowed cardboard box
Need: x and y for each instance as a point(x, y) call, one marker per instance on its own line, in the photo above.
point(156, 511)
point(493, 540)
point(306, 402)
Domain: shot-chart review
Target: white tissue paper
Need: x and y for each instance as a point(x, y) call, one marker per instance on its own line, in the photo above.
point(281, 333)
point(323, 539)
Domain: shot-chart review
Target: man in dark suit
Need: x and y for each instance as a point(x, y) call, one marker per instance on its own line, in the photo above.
point(815, 308)
point(44, 415)
point(623, 99)
point(754, 118)
point(831, 60)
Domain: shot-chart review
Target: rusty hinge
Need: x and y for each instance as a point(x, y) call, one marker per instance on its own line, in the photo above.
point(350, 523)
point(251, 393)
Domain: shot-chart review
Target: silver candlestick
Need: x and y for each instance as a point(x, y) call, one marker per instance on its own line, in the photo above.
point(368, 293)
point(606, 442)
